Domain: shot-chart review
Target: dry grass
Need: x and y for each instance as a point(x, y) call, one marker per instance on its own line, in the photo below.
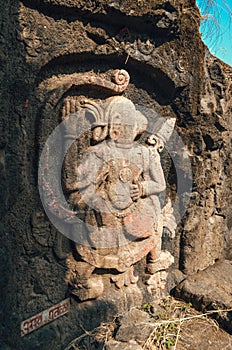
point(101, 334)
point(174, 323)
point(173, 318)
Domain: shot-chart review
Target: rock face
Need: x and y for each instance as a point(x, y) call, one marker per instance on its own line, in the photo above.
point(134, 326)
point(174, 324)
point(115, 345)
point(210, 290)
point(48, 45)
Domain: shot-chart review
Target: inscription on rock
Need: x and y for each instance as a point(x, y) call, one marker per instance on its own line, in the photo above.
point(44, 317)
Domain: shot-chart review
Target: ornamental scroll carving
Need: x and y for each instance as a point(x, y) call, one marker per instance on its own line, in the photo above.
point(112, 183)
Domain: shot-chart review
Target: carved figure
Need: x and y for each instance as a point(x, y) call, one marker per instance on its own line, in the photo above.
point(115, 192)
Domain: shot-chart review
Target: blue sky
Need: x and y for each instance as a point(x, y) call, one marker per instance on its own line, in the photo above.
point(216, 29)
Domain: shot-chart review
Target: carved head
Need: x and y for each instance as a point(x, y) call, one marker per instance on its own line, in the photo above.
point(117, 117)
point(125, 122)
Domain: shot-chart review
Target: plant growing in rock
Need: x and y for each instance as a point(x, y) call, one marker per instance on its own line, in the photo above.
point(173, 323)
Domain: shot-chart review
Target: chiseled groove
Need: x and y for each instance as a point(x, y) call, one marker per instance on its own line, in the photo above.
point(156, 80)
point(115, 18)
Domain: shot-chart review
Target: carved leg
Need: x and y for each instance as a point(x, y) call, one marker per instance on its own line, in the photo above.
point(81, 281)
point(159, 261)
point(158, 270)
point(156, 284)
point(164, 261)
point(125, 279)
point(155, 252)
point(91, 288)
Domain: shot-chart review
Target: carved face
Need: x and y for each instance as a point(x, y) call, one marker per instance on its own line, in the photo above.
point(124, 120)
point(121, 132)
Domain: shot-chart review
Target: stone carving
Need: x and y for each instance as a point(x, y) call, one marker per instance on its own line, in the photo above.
point(113, 187)
point(115, 81)
point(145, 47)
point(112, 184)
point(40, 229)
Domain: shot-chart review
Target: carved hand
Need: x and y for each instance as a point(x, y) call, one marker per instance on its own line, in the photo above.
point(135, 191)
point(69, 116)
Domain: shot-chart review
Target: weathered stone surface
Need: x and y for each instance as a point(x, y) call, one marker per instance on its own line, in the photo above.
point(134, 325)
point(115, 345)
point(200, 335)
point(210, 290)
point(134, 316)
point(182, 325)
point(205, 231)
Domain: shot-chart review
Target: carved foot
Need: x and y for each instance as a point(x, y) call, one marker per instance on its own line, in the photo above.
point(89, 289)
point(78, 270)
point(158, 271)
point(125, 279)
point(81, 281)
point(164, 261)
point(156, 284)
